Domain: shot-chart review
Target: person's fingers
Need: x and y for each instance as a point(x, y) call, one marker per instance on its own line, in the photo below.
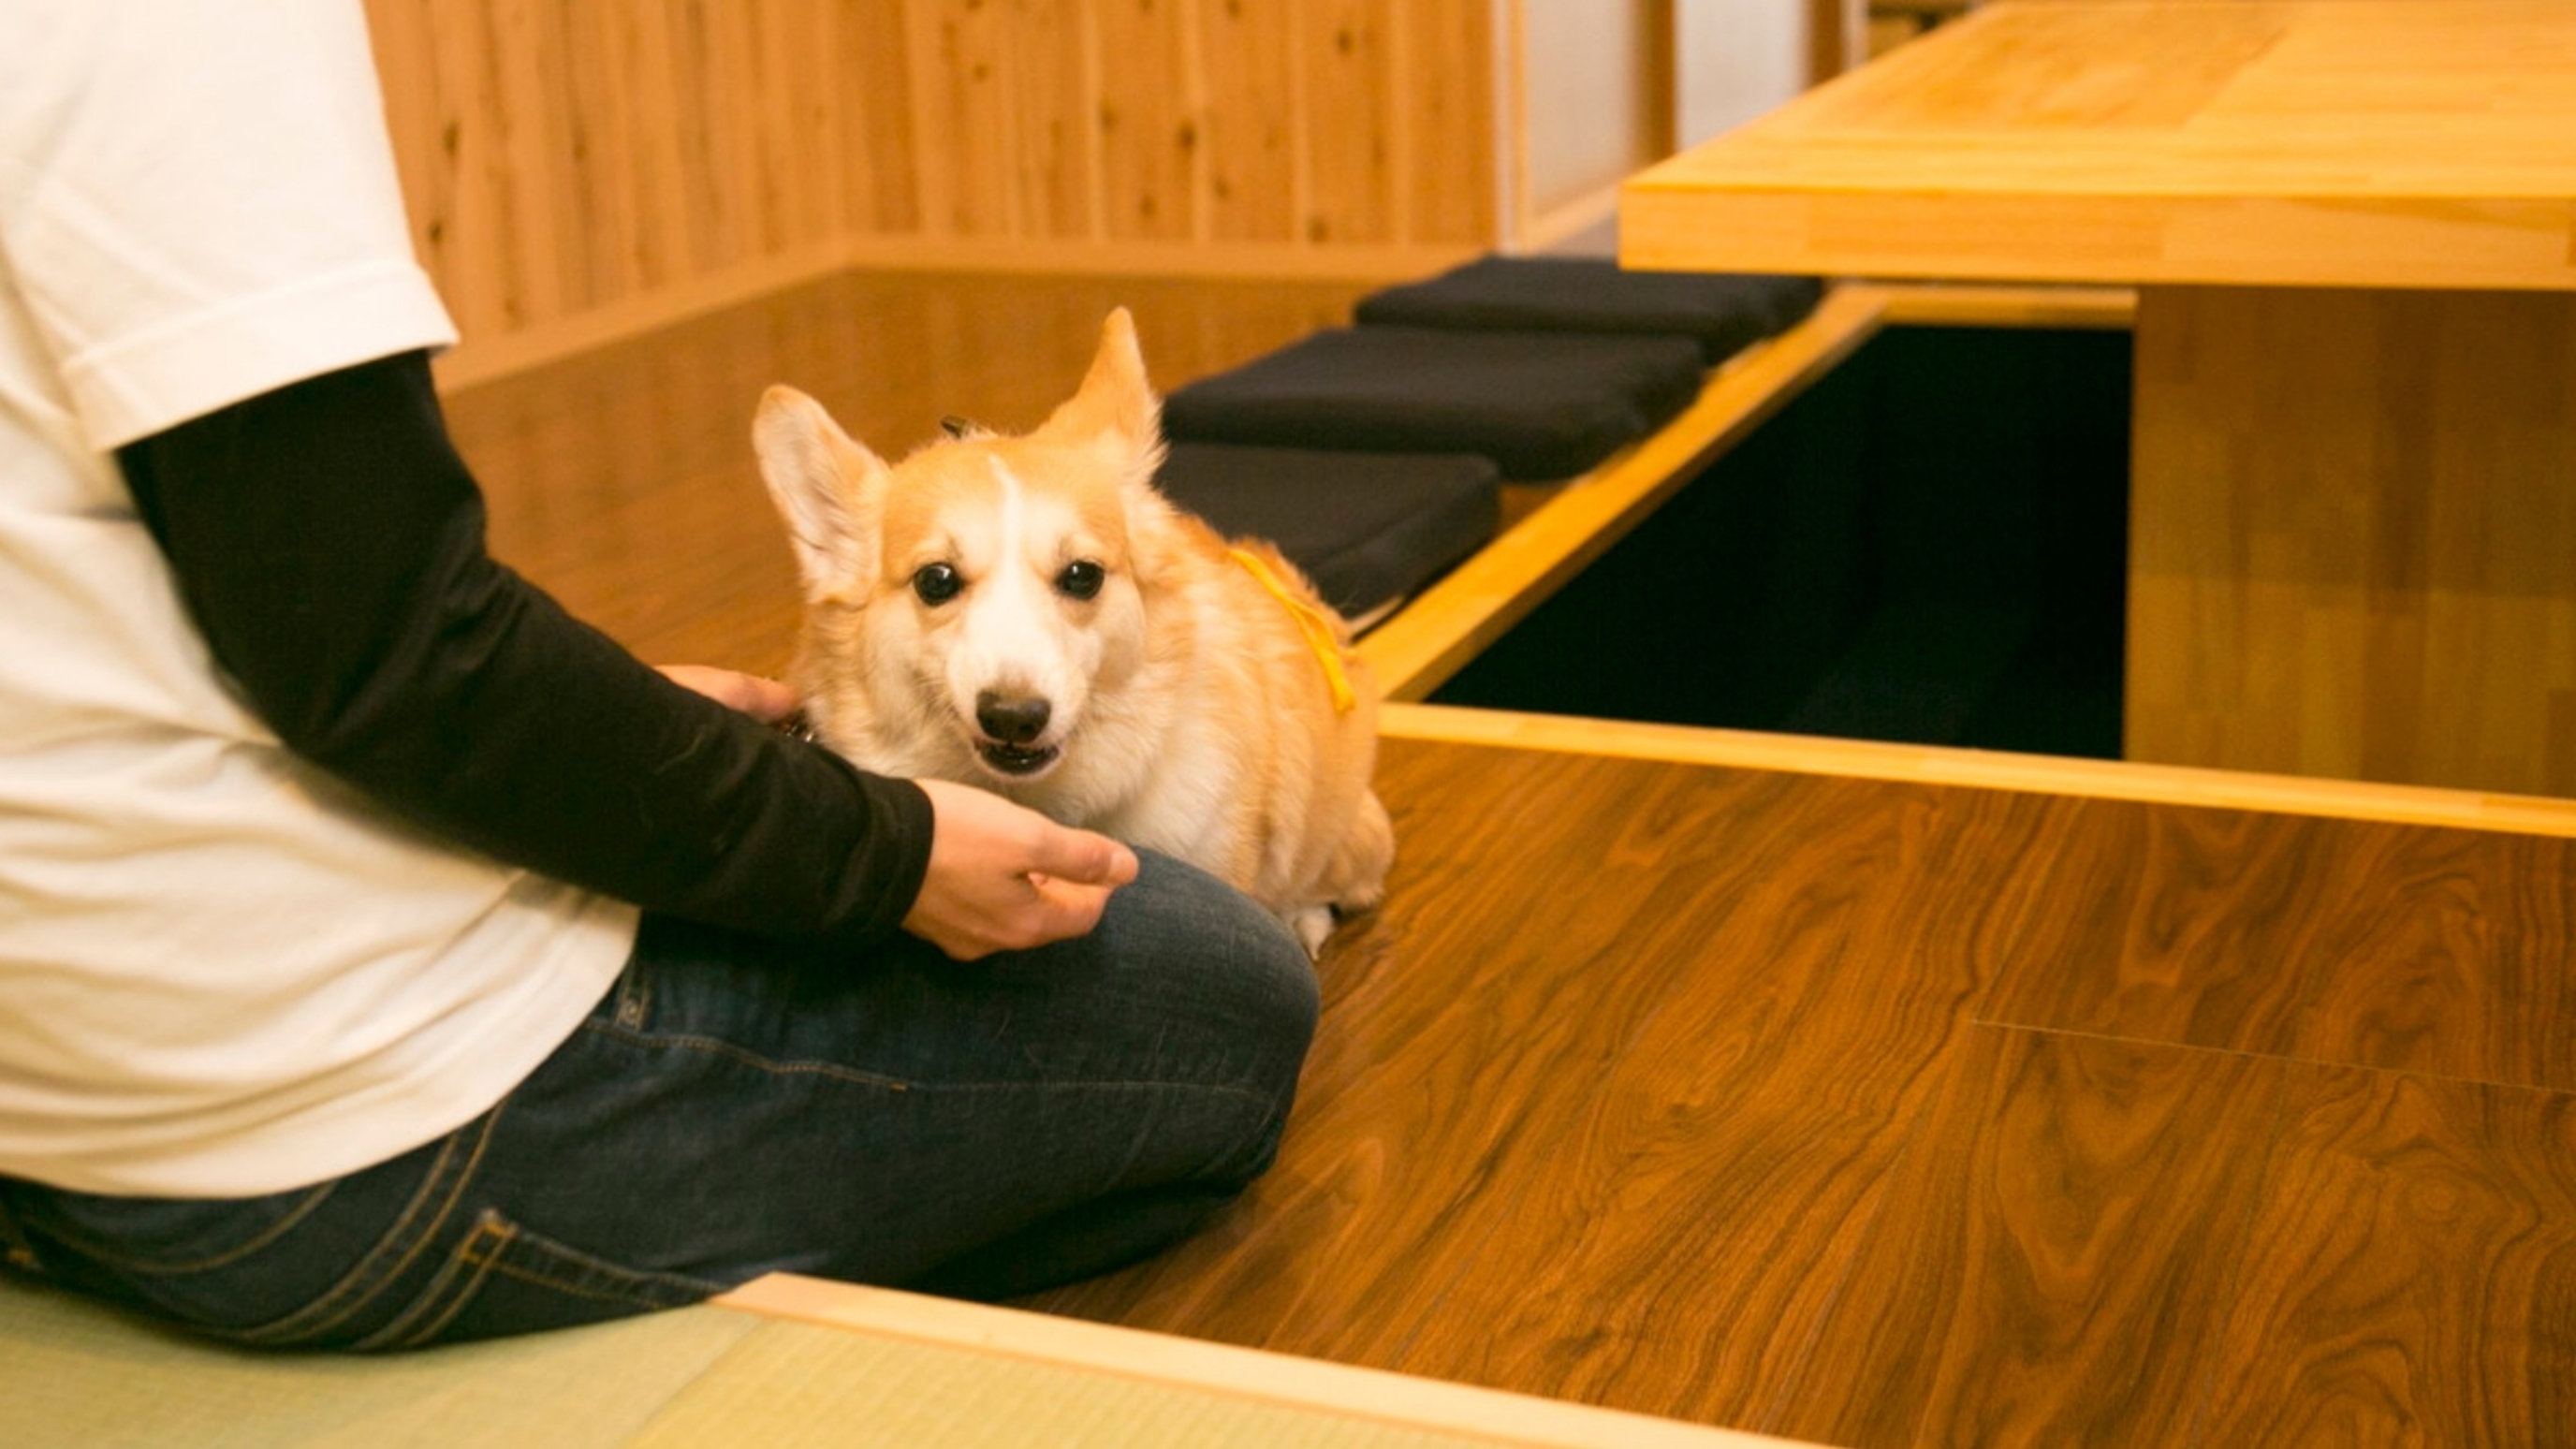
point(1005, 878)
point(1072, 908)
point(1080, 857)
point(764, 699)
point(769, 701)
point(1051, 911)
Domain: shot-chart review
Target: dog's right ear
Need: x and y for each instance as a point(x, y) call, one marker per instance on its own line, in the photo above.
point(815, 473)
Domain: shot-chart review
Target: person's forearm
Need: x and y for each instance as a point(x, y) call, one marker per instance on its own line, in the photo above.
point(330, 544)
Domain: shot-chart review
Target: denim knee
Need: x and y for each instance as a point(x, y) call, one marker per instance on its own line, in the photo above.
point(1206, 949)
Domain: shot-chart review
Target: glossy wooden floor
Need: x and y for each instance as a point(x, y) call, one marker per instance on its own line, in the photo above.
point(1857, 1111)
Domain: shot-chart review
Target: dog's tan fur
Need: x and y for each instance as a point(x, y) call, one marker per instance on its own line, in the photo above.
point(1185, 706)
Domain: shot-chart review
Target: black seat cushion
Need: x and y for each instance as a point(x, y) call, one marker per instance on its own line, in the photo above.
point(1542, 405)
point(1725, 311)
point(1367, 528)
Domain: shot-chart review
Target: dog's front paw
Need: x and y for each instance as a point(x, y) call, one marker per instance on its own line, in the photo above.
point(1313, 924)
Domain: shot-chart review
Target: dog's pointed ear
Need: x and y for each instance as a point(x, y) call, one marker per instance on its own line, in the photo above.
point(815, 472)
point(1115, 401)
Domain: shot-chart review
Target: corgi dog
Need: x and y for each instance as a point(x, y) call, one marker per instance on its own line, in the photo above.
point(1029, 615)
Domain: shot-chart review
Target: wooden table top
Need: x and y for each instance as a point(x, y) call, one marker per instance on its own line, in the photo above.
point(2378, 143)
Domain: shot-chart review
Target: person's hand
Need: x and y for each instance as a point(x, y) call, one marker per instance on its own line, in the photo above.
point(1004, 878)
point(765, 700)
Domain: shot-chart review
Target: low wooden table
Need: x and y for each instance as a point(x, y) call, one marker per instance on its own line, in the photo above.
point(2353, 227)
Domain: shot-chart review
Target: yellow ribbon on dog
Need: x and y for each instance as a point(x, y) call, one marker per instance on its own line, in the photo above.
point(1311, 620)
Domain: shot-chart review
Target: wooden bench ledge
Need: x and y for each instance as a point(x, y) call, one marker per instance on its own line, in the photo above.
point(1986, 769)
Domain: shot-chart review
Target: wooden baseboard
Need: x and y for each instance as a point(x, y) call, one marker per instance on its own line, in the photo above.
point(483, 359)
point(1262, 261)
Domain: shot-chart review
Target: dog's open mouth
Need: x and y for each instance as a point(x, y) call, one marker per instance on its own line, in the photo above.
point(1017, 759)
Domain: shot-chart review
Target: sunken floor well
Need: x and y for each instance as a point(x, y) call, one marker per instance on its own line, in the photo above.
point(1928, 546)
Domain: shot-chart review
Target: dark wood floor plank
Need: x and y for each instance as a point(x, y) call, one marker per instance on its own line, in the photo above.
point(1686, 1018)
point(1450, 1014)
point(1469, 1017)
point(1675, 1244)
point(2412, 1276)
point(2451, 956)
point(2071, 1211)
point(2174, 925)
point(2381, 945)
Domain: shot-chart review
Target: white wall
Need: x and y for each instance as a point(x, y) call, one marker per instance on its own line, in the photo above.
point(1584, 66)
point(1739, 58)
point(1585, 73)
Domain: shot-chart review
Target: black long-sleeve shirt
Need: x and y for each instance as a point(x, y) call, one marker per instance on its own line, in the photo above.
point(330, 543)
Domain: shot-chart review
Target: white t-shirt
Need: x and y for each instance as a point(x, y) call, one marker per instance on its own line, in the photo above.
point(221, 972)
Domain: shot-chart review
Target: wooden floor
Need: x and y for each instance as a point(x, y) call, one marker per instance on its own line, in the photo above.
point(623, 480)
point(1868, 1112)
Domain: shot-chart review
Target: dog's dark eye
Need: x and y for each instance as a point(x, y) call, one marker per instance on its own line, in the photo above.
point(937, 583)
point(1081, 578)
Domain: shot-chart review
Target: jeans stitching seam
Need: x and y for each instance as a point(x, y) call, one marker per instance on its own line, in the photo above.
point(494, 1263)
point(456, 1284)
point(373, 1273)
point(110, 1255)
point(717, 1046)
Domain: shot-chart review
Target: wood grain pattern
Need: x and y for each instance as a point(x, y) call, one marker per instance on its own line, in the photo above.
point(2411, 1270)
point(2370, 945)
point(1338, 1259)
point(2353, 547)
point(1727, 1144)
point(1506, 1090)
point(2356, 414)
point(1755, 1116)
point(2448, 957)
point(2385, 143)
point(1148, 101)
point(2183, 927)
point(1256, 167)
point(565, 160)
point(2071, 1210)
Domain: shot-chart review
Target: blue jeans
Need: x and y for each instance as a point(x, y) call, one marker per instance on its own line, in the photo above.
point(735, 1107)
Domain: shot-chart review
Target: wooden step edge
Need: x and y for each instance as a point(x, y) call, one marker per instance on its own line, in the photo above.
point(1372, 1395)
point(1434, 635)
point(2060, 308)
point(1987, 769)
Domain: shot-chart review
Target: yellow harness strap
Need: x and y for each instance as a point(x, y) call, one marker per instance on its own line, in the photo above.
point(1311, 620)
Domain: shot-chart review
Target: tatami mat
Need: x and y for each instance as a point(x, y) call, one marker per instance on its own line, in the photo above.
point(74, 1374)
point(892, 1371)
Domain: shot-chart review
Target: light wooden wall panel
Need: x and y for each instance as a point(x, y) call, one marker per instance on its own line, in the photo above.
point(1257, 166)
point(1349, 52)
point(1451, 114)
point(2354, 536)
point(574, 159)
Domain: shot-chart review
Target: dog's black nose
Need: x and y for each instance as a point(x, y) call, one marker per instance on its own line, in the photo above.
point(1011, 719)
